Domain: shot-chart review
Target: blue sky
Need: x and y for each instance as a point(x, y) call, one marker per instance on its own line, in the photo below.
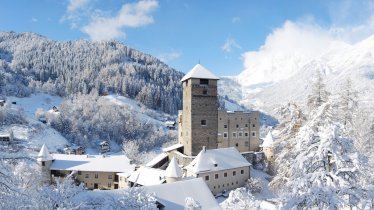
point(181, 32)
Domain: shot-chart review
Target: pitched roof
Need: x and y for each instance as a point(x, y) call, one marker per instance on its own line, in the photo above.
point(112, 163)
point(147, 176)
point(268, 141)
point(173, 170)
point(199, 72)
point(44, 154)
point(173, 196)
point(217, 160)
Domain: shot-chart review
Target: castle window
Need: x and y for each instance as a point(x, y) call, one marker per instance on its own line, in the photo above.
point(234, 134)
point(216, 176)
point(237, 126)
point(240, 134)
point(246, 134)
point(87, 176)
point(109, 185)
point(207, 178)
point(79, 172)
point(254, 133)
point(203, 122)
point(109, 176)
point(253, 125)
point(43, 163)
point(234, 173)
point(224, 126)
point(246, 143)
point(241, 171)
point(236, 144)
point(205, 92)
point(225, 175)
point(204, 82)
point(225, 135)
point(246, 125)
point(96, 176)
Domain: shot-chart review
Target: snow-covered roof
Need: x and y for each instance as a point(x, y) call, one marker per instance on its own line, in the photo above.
point(173, 195)
point(147, 176)
point(199, 72)
point(156, 160)
point(113, 163)
point(217, 160)
point(44, 154)
point(268, 141)
point(173, 170)
point(172, 147)
point(104, 142)
point(170, 123)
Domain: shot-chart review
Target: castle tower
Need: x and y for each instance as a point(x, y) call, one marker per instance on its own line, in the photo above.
point(45, 160)
point(268, 147)
point(173, 172)
point(198, 120)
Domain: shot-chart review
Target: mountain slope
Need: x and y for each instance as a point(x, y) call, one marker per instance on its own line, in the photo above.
point(284, 79)
point(29, 61)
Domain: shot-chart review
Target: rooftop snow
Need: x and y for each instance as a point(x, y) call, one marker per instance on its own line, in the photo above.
point(113, 163)
point(223, 158)
point(171, 195)
point(268, 141)
point(173, 170)
point(44, 154)
point(156, 160)
point(147, 176)
point(199, 72)
point(172, 147)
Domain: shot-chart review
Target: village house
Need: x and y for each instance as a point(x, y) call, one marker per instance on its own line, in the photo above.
point(170, 125)
point(95, 171)
point(7, 138)
point(104, 147)
point(222, 169)
point(74, 150)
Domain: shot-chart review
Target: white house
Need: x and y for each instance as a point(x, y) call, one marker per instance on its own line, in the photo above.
point(222, 169)
point(95, 171)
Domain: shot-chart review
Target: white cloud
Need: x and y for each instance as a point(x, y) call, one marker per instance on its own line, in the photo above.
point(130, 15)
point(76, 11)
point(229, 45)
point(34, 20)
point(76, 4)
point(288, 48)
point(167, 57)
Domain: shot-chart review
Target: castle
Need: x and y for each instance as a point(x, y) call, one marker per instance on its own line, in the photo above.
point(211, 145)
point(201, 124)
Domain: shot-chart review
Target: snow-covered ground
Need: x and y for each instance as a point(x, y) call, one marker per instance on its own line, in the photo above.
point(35, 133)
point(264, 195)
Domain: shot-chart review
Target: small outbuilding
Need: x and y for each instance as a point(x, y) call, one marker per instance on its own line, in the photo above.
point(104, 147)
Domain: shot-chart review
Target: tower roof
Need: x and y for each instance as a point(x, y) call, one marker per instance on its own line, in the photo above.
point(268, 141)
point(44, 154)
point(173, 170)
point(199, 72)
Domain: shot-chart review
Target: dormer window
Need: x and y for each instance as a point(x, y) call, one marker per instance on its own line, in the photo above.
point(204, 82)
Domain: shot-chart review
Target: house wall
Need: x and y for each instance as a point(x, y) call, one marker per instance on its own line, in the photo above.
point(239, 130)
point(199, 103)
point(122, 182)
point(223, 183)
point(89, 178)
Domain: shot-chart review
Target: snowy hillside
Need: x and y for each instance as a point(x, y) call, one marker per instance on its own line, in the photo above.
point(274, 76)
point(30, 62)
